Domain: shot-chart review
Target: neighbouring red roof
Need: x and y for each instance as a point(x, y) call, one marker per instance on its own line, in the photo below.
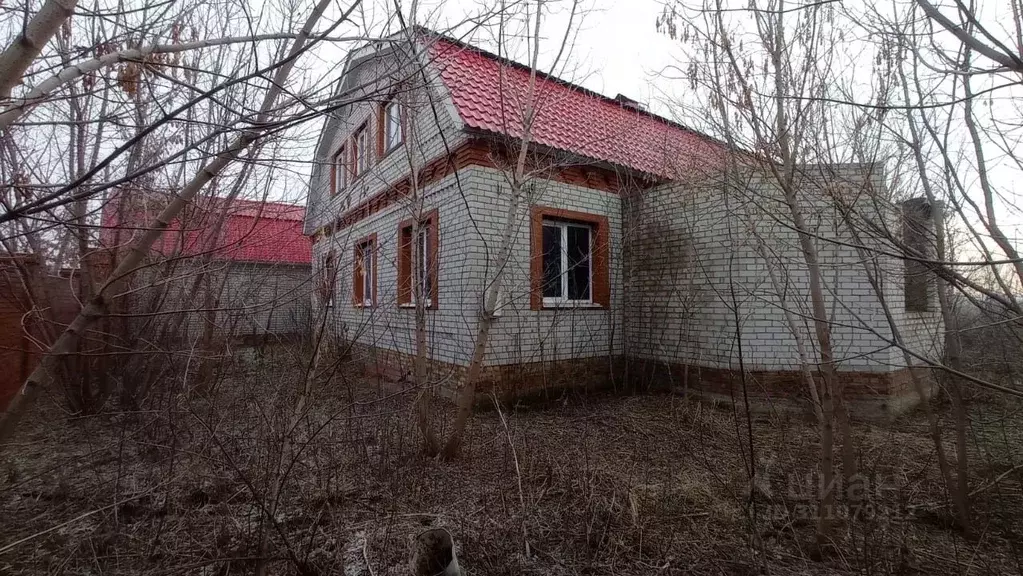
point(251, 231)
point(490, 94)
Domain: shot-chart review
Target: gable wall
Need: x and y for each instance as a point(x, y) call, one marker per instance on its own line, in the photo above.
point(431, 123)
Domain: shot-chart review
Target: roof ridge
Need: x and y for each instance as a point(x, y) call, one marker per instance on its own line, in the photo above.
point(487, 91)
point(423, 31)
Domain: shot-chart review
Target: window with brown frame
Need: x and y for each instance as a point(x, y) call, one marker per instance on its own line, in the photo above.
point(362, 153)
point(568, 259)
point(328, 273)
point(338, 172)
point(393, 128)
point(364, 278)
point(417, 261)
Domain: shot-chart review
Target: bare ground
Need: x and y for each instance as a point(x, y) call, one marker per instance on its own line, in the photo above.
point(214, 483)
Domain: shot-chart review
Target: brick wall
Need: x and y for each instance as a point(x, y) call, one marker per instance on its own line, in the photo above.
point(704, 258)
point(251, 299)
point(870, 395)
point(433, 128)
point(542, 380)
point(268, 298)
point(522, 335)
point(472, 209)
point(451, 324)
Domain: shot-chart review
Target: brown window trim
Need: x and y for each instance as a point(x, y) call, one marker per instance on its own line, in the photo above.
point(382, 150)
point(328, 276)
point(356, 154)
point(333, 170)
point(358, 297)
point(601, 288)
point(405, 275)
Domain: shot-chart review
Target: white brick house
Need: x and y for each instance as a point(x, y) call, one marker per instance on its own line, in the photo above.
point(632, 262)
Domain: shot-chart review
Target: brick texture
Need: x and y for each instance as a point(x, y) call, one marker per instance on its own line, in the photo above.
point(698, 269)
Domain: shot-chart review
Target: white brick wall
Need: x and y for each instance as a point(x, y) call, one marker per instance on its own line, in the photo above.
point(450, 328)
point(464, 243)
point(432, 125)
point(701, 251)
point(524, 335)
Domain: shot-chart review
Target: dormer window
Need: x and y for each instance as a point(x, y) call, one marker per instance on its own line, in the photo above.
point(394, 129)
point(363, 153)
point(338, 172)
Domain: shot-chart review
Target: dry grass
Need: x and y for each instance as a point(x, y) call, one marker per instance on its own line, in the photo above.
point(609, 485)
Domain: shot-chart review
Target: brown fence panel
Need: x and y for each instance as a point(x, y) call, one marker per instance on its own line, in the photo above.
point(34, 308)
point(15, 346)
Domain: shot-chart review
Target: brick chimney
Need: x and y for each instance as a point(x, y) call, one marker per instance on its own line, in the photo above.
point(627, 102)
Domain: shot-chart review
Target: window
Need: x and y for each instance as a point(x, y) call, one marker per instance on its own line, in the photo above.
point(567, 271)
point(338, 172)
point(394, 130)
point(422, 261)
point(417, 262)
point(568, 259)
point(362, 151)
point(364, 279)
point(328, 272)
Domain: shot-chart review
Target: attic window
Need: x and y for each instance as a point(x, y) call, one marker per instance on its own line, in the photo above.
point(393, 128)
point(362, 152)
point(338, 172)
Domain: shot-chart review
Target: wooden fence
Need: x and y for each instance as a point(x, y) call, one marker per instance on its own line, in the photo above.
point(35, 306)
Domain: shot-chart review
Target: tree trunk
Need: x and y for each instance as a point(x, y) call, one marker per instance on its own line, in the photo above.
point(16, 59)
point(467, 395)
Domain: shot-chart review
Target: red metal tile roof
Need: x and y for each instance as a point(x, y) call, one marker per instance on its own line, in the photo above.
point(490, 94)
point(252, 231)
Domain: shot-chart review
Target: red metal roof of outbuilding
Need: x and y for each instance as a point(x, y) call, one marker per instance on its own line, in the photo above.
point(490, 94)
point(268, 233)
point(252, 231)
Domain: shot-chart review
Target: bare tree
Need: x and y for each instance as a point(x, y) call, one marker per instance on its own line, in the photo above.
point(260, 122)
point(760, 106)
